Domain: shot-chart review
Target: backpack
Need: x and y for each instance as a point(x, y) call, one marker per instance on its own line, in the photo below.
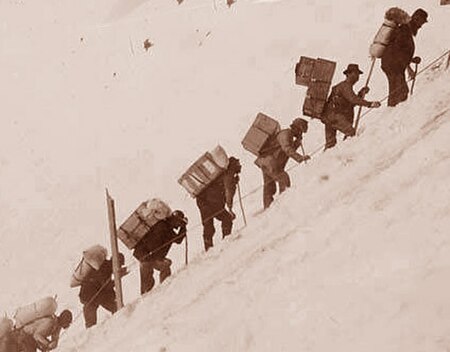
point(42, 308)
point(393, 18)
point(93, 259)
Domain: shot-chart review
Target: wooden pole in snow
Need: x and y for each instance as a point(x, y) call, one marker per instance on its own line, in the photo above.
point(114, 250)
point(358, 117)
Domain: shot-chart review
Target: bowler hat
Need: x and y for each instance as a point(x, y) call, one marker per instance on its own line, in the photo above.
point(421, 14)
point(352, 68)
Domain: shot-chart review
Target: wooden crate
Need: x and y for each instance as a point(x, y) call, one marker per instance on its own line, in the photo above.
point(134, 228)
point(313, 107)
point(319, 87)
point(259, 133)
point(200, 174)
point(254, 140)
point(266, 123)
point(323, 71)
point(303, 70)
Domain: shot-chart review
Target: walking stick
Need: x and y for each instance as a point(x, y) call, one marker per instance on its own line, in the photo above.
point(358, 117)
point(303, 152)
point(186, 259)
point(414, 79)
point(240, 203)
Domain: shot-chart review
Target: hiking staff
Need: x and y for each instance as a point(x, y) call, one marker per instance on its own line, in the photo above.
point(186, 256)
point(241, 204)
point(303, 152)
point(358, 116)
point(416, 61)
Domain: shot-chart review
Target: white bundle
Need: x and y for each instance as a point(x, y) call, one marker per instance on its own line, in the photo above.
point(397, 15)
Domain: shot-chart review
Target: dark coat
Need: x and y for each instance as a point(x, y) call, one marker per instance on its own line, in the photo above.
point(279, 149)
point(157, 242)
point(98, 280)
point(400, 51)
point(220, 192)
point(342, 100)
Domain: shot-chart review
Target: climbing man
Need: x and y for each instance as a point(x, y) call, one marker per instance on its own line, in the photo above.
point(398, 56)
point(339, 109)
point(274, 157)
point(152, 249)
point(97, 289)
point(35, 335)
point(212, 201)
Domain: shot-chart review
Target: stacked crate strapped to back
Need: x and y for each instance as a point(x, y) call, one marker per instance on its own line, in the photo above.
point(303, 71)
point(259, 135)
point(139, 223)
point(317, 75)
point(204, 171)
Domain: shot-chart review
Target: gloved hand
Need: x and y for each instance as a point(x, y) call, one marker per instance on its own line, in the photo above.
point(416, 60)
point(236, 178)
point(305, 157)
point(375, 104)
point(233, 215)
point(364, 91)
point(411, 72)
point(182, 231)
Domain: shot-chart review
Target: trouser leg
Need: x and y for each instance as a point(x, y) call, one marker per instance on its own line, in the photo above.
point(227, 222)
point(208, 226)
point(269, 190)
point(90, 314)
point(146, 274)
point(392, 101)
point(398, 88)
point(403, 87)
point(163, 266)
point(109, 302)
point(330, 136)
point(208, 232)
point(284, 181)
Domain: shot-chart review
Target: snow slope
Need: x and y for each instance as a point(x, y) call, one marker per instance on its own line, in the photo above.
point(347, 261)
point(355, 262)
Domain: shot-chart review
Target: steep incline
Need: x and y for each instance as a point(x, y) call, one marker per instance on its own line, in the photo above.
point(84, 106)
point(354, 258)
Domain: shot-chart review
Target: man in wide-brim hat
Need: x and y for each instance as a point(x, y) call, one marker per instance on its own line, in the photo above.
point(339, 109)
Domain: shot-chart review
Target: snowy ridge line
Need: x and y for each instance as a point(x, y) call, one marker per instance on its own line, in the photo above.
point(134, 265)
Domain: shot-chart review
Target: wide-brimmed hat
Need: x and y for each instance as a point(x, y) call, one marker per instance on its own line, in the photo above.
point(420, 14)
point(352, 68)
